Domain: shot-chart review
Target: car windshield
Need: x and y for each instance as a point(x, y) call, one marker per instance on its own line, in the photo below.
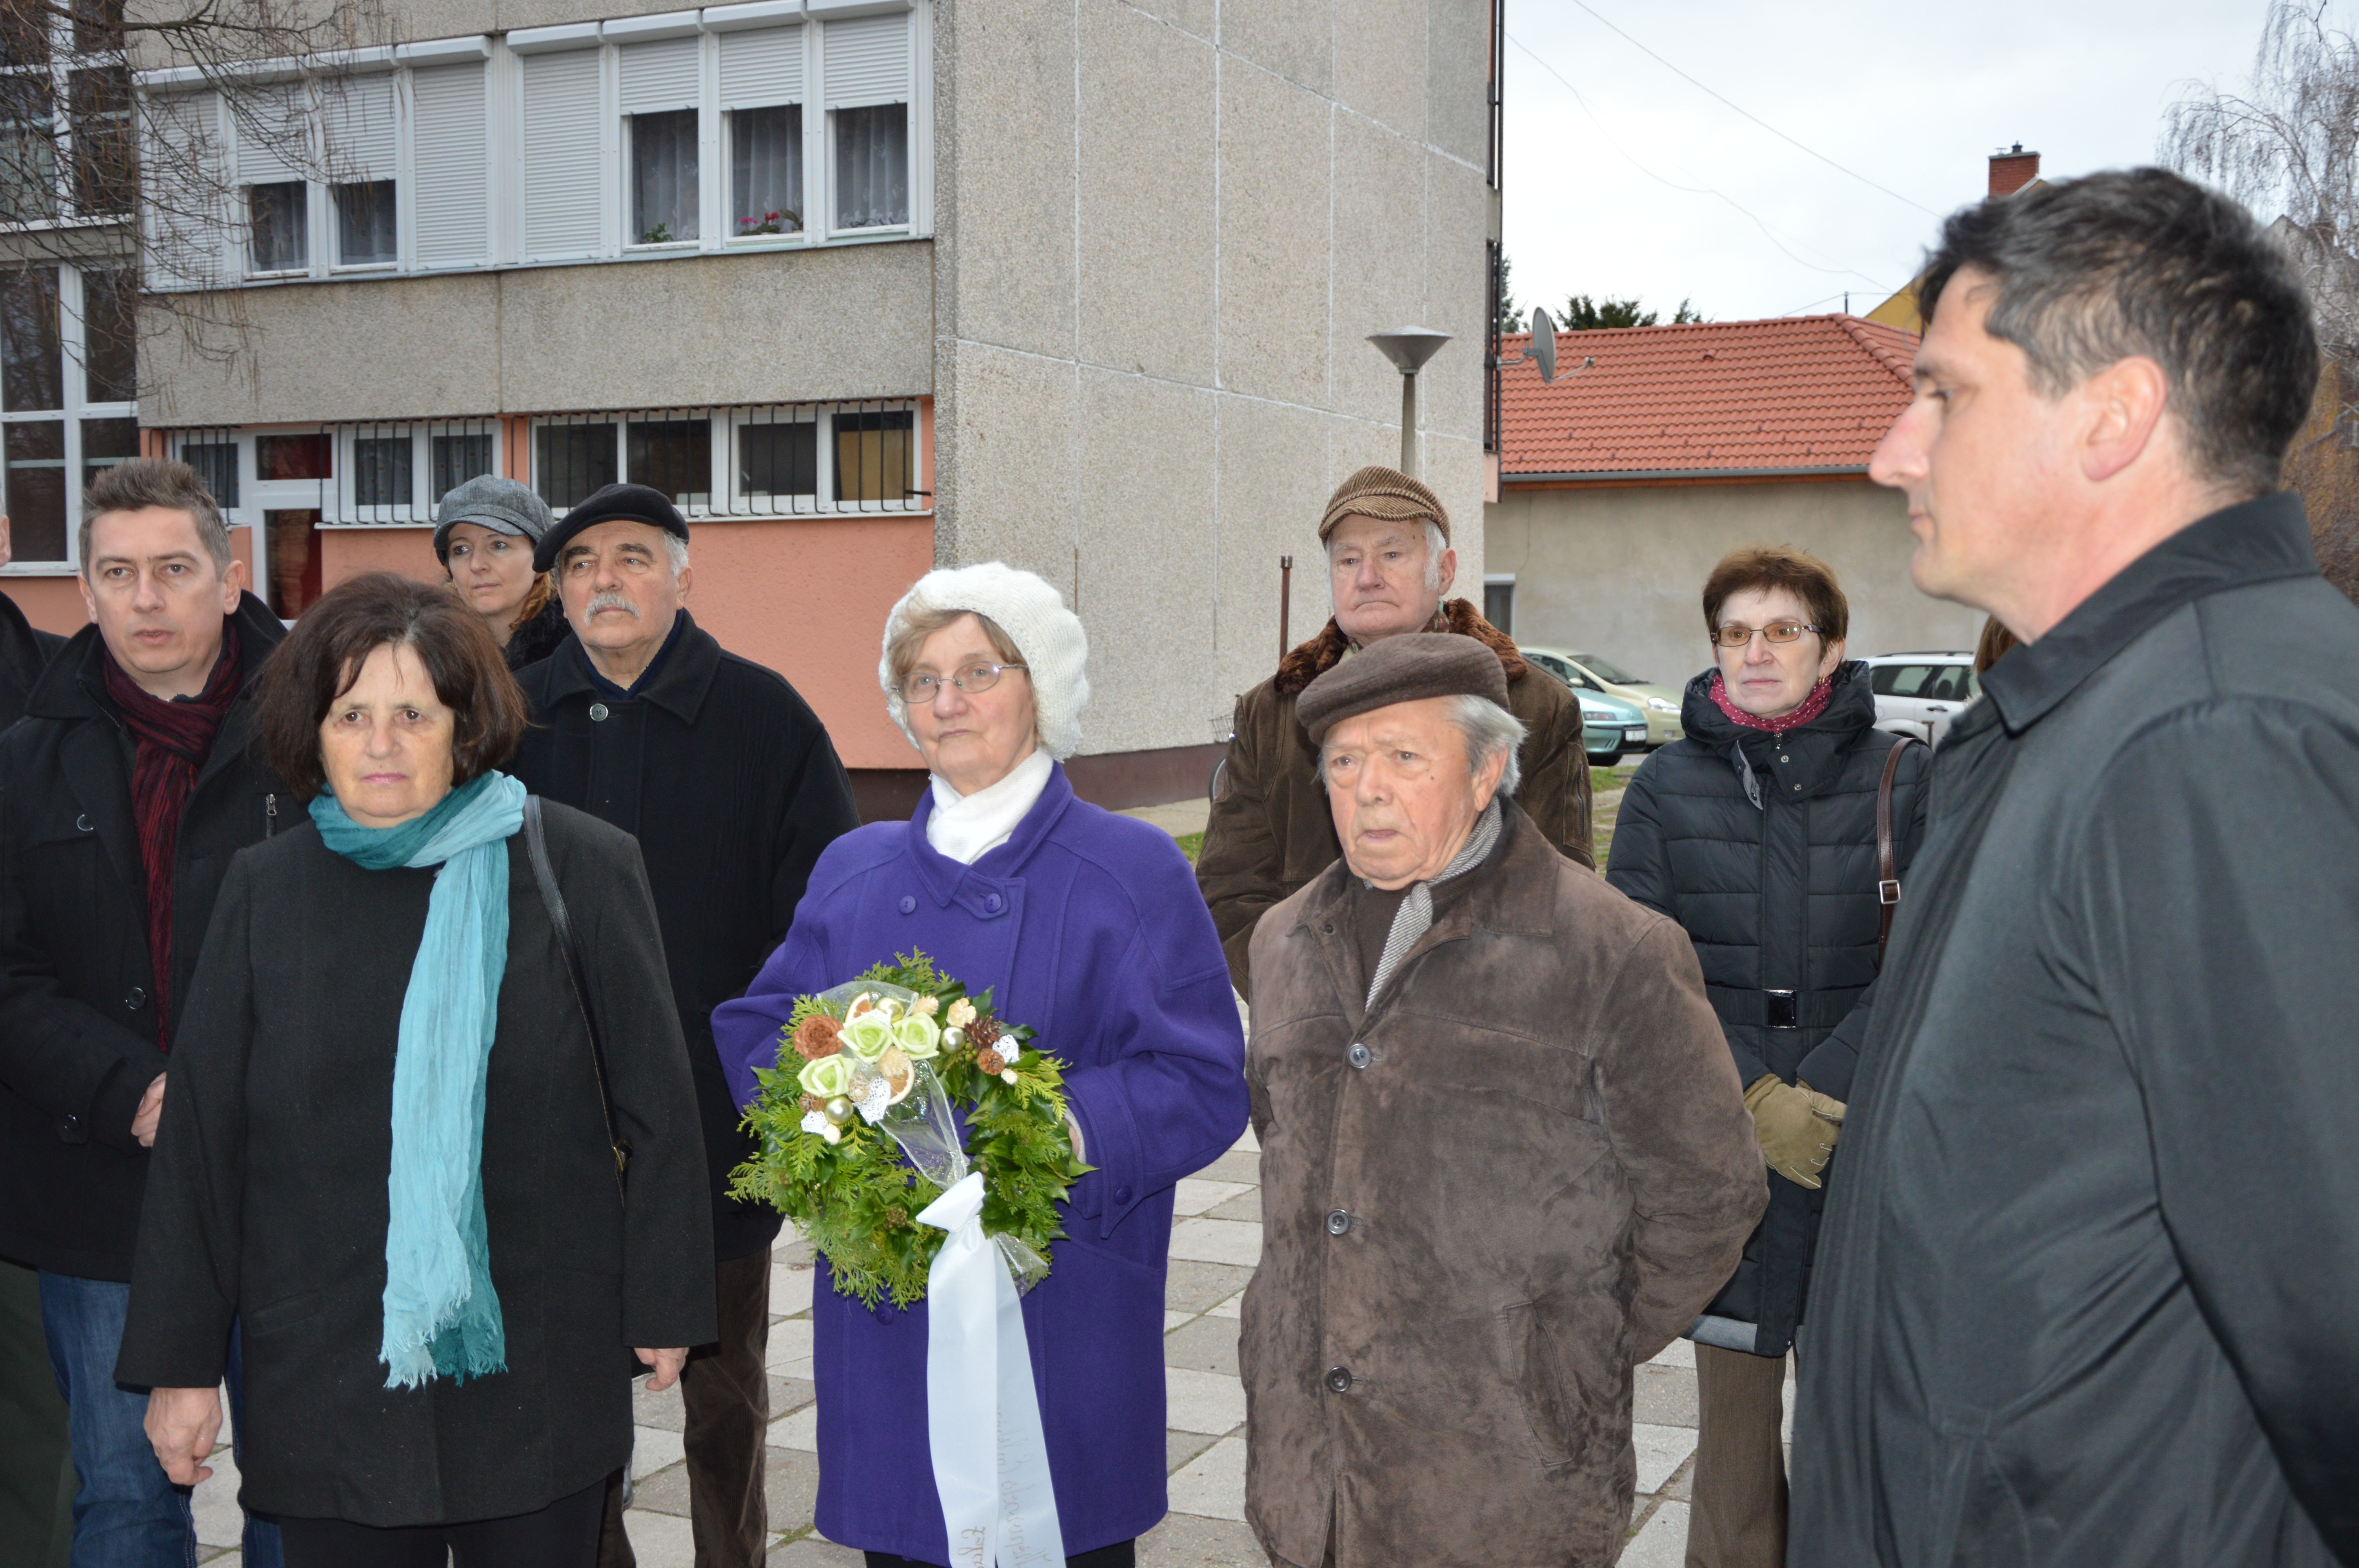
point(1937, 683)
point(1605, 671)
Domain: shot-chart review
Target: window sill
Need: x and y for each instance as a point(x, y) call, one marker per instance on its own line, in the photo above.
point(39, 568)
point(366, 269)
point(664, 248)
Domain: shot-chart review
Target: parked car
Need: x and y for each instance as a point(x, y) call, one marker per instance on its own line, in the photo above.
point(1609, 727)
point(1919, 694)
point(1658, 705)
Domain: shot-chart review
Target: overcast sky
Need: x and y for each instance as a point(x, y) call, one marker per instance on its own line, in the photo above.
point(1915, 98)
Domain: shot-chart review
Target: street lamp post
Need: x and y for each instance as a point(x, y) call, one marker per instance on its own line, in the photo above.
point(1408, 348)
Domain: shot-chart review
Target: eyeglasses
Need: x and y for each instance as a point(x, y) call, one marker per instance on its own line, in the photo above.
point(1737, 635)
point(977, 677)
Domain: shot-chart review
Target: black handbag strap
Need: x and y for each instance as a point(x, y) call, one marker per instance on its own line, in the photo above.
point(536, 840)
point(1887, 883)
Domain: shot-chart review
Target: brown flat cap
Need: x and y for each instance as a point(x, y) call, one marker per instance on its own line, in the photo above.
point(1379, 492)
point(1400, 669)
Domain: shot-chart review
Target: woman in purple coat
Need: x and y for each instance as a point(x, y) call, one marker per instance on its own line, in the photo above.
point(1089, 928)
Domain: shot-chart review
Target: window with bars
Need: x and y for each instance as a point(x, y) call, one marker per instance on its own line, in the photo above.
point(65, 410)
point(748, 461)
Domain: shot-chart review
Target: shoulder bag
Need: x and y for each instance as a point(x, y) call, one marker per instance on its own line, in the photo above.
point(577, 973)
point(1887, 884)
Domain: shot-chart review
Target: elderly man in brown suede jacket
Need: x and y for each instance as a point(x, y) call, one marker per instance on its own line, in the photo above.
point(1504, 1154)
point(1389, 566)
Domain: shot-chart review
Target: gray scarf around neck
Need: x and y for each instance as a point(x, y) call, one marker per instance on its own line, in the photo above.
point(1414, 918)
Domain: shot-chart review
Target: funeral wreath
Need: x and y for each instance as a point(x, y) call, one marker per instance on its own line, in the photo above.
point(901, 1062)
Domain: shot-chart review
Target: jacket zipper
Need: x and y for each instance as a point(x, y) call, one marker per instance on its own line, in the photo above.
point(269, 814)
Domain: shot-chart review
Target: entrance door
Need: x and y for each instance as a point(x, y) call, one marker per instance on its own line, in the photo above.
point(291, 541)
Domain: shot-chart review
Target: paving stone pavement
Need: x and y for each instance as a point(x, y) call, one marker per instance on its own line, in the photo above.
point(1215, 1242)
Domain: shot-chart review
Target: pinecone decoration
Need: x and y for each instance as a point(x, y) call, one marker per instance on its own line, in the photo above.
point(992, 1062)
point(983, 1034)
point(812, 1102)
point(815, 1037)
point(897, 1218)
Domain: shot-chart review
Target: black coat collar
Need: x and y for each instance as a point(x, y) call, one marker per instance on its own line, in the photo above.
point(2262, 540)
point(1812, 753)
point(679, 687)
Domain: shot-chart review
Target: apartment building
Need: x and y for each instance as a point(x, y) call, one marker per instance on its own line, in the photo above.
point(865, 286)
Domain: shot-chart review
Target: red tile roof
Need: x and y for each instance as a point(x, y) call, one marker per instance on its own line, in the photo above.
point(1798, 393)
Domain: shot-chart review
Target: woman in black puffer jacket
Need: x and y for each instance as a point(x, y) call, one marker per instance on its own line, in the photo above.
point(1757, 834)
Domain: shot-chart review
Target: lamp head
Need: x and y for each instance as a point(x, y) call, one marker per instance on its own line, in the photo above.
point(1409, 347)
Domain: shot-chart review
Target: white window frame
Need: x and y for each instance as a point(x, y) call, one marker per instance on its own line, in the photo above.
point(73, 369)
point(728, 502)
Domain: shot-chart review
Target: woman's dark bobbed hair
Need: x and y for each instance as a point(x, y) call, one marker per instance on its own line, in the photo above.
point(321, 657)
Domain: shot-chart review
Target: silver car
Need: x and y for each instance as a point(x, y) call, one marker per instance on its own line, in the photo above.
point(1919, 694)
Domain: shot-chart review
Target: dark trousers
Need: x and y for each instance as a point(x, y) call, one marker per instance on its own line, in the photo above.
point(1736, 1516)
point(727, 1395)
point(562, 1535)
point(1121, 1554)
point(37, 1473)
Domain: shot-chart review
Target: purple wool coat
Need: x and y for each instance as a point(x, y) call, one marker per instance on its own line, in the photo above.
point(1090, 927)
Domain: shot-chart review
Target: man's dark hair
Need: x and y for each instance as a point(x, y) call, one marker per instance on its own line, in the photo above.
point(2091, 272)
point(322, 656)
point(142, 482)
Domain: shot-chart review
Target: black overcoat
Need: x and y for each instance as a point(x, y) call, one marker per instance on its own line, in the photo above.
point(2085, 1289)
point(1770, 865)
point(77, 1045)
point(25, 651)
point(268, 1198)
point(732, 788)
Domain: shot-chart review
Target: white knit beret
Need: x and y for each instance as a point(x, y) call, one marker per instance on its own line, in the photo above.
point(1048, 635)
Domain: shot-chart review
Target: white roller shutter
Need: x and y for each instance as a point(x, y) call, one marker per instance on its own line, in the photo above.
point(450, 160)
point(561, 160)
point(665, 74)
point(762, 68)
point(866, 60)
point(359, 125)
point(274, 128)
point(182, 166)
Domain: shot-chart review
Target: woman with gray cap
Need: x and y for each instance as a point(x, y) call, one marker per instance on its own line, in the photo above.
point(484, 533)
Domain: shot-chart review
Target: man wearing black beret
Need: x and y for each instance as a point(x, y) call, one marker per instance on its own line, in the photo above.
point(733, 788)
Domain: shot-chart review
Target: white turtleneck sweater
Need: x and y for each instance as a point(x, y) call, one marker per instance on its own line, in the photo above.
point(965, 828)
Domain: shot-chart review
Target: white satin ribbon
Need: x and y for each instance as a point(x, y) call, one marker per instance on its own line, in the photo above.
point(983, 1414)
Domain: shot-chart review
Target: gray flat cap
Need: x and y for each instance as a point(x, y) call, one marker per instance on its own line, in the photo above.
point(1400, 669)
point(503, 506)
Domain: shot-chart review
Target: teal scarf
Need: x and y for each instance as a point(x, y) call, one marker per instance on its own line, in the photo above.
point(441, 1315)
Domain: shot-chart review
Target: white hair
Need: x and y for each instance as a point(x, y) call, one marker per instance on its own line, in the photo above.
point(1435, 544)
point(1486, 728)
point(676, 549)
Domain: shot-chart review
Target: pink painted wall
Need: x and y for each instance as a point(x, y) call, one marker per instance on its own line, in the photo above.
point(805, 596)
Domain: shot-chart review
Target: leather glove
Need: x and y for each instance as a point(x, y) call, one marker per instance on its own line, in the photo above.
point(1797, 1125)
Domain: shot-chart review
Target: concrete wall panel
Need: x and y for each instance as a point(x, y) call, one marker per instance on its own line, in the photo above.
point(1147, 207)
point(1292, 39)
point(1457, 293)
point(1272, 488)
point(1015, 174)
point(1458, 77)
point(1273, 238)
point(1380, 62)
point(1618, 571)
point(1148, 571)
point(1020, 465)
point(1380, 260)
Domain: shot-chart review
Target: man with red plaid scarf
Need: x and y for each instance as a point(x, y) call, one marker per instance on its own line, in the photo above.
point(124, 791)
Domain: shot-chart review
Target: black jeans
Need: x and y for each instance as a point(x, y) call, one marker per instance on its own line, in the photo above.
point(1121, 1554)
point(562, 1535)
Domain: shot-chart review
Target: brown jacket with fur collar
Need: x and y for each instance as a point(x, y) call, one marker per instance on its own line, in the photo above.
point(1271, 831)
point(1484, 1199)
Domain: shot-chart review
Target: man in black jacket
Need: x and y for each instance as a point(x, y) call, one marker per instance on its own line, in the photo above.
point(123, 793)
point(731, 784)
point(2084, 1289)
point(24, 650)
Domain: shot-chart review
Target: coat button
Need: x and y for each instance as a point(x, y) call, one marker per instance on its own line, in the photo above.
point(1121, 1194)
point(1328, 929)
point(908, 904)
point(598, 711)
point(993, 903)
point(1339, 1381)
point(135, 998)
point(1338, 1221)
point(1784, 759)
point(883, 1312)
point(1359, 1054)
point(71, 1125)
point(82, 824)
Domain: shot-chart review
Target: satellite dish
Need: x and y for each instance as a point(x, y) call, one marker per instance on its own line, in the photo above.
point(1543, 348)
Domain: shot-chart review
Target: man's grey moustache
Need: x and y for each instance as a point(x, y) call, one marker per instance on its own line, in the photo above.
point(612, 601)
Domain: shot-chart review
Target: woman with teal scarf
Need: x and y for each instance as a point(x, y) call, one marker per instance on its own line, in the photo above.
point(386, 1143)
